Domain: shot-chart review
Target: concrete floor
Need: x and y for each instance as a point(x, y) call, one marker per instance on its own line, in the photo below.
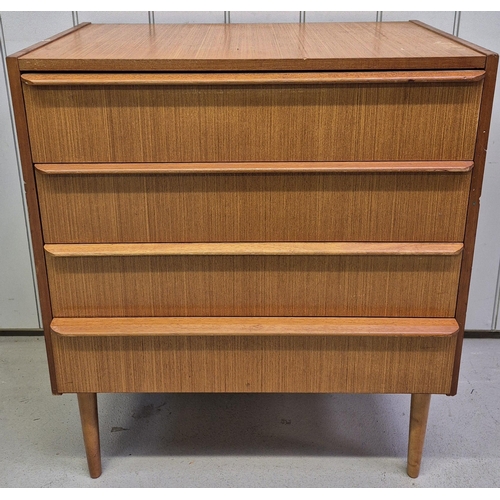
point(246, 440)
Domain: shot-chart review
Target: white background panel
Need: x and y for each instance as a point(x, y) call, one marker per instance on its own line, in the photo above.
point(103, 17)
point(441, 20)
point(18, 301)
point(265, 17)
point(18, 308)
point(22, 29)
point(189, 17)
point(341, 17)
point(483, 28)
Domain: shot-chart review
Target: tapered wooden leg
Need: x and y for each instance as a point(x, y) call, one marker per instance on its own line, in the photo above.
point(418, 424)
point(87, 402)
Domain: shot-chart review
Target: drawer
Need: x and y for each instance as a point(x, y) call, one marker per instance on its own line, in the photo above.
point(280, 117)
point(301, 355)
point(310, 201)
point(254, 279)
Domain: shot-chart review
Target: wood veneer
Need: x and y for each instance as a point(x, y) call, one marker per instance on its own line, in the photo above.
point(250, 78)
point(318, 364)
point(261, 326)
point(256, 167)
point(254, 47)
point(254, 285)
point(357, 122)
point(268, 248)
point(120, 206)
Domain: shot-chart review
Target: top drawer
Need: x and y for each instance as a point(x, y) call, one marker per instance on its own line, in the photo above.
point(253, 117)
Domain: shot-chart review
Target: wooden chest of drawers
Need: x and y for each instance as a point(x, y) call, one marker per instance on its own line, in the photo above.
point(253, 208)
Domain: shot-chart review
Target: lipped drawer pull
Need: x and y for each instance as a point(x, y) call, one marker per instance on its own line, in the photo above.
point(250, 78)
point(253, 326)
point(292, 167)
point(281, 248)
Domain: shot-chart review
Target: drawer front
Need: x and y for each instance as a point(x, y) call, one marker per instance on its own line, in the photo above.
point(103, 208)
point(211, 123)
point(253, 285)
point(318, 364)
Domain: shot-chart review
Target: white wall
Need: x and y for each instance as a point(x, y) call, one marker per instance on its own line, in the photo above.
point(18, 303)
point(483, 28)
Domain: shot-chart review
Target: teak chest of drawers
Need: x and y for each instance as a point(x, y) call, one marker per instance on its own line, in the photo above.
point(253, 208)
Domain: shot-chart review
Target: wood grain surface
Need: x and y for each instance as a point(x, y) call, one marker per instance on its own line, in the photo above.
point(187, 207)
point(254, 326)
point(309, 77)
point(266, 248)
point(254, 285)
point(364, 122)
point(253, 47)
point(288, 167)
point(87, 404)
point(320, 364)
point(419, 413)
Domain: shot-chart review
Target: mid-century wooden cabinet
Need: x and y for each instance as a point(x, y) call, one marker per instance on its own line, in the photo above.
point(253, 208)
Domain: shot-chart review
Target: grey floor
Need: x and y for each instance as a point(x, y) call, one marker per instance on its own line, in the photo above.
point(246, 441)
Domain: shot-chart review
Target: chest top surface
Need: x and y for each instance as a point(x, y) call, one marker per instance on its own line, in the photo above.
point(253, 47)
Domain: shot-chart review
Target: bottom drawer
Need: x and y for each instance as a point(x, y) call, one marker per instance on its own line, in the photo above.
point(303, 355)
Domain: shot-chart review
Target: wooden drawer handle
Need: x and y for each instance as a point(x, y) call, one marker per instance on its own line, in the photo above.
point(341, 248)
point(260, 326)
point(254, 167)
point(308, 78)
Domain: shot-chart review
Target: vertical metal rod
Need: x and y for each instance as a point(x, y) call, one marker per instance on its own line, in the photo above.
point(302, 16)
point(227, 17)
point(75, 17)
point(378, 19)
point(3, 55)
point(496, 304)
point(456, 22)
point(151, 16)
